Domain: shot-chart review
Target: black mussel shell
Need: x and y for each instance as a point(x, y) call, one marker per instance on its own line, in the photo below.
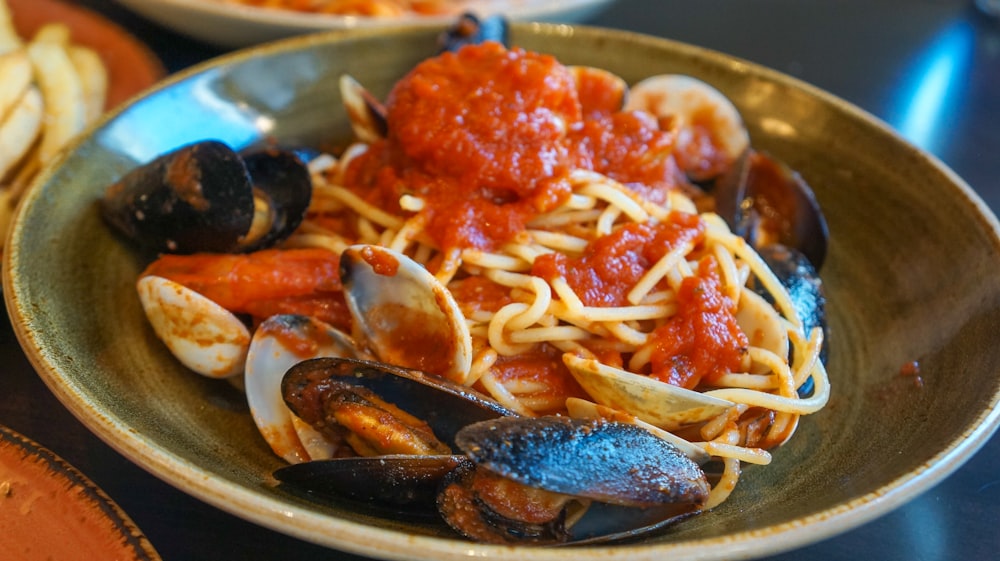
point(471, 30)
point(767, 203)
point(605, 461)
point(446, 407)
point(410, 483)
point(805, 288)
point(627, 481)
point(201, 198)
point(196, 198)
point(282, 180)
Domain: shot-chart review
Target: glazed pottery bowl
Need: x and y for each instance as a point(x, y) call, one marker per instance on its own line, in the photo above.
point(902, 226)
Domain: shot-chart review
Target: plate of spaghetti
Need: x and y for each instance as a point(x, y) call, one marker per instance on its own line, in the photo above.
point(239, 23)
point(570, 263)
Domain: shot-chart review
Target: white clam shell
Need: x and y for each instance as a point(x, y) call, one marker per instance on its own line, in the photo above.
point(202, 335)
point(762, 324)
point(692, 107)
point(407, 316)
point(658, 403)
point(279, 343)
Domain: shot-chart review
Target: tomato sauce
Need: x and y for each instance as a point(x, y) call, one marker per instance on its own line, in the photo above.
point(381, 262)
point(479, 294)
point(487, 137)
point(263, 283)
point(702, 341)
point(542, 366)
point(611, 265)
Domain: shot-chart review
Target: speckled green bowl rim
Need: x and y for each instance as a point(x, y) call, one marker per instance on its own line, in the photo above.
point(390, 544)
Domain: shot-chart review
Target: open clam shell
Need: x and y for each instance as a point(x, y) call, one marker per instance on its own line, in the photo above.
point(279, 343)
point(201, 334)
point(660, 404)
point(406, 315)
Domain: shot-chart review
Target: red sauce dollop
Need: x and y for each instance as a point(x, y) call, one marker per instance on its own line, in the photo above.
point(487, 137)
point(611, 265)
point(702, 340)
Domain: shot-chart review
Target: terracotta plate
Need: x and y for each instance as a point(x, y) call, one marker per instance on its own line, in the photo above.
point(49, 510)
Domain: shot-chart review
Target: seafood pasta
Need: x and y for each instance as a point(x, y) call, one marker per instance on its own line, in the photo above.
point(567, 230)
point(555, 219)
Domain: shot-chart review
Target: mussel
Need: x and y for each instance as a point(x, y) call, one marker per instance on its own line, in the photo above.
point(206, 197)
point(353, 390)
point(552, 480)
point(802, 282)
point(394, 428)
point(768, 203)
point(494, 476)
point(471, 30)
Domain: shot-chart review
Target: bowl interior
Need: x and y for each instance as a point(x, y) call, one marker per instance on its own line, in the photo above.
point(908, 278)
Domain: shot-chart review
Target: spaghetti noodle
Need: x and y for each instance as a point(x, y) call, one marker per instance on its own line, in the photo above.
point(563, 230)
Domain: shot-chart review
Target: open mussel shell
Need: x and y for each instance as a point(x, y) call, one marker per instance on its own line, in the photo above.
point(404, 481)
point(205, 197)
point(768, 203)
point(805, 288)
point(446, 407)
point(406, 315)
point(799, 277)
point(282, 188)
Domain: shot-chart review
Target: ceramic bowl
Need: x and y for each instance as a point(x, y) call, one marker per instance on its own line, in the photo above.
point(909, 278)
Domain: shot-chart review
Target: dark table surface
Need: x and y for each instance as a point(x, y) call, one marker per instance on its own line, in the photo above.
point(929, 68)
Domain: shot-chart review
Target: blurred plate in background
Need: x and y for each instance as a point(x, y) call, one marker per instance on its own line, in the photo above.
point(132, 67)
point(228, 24)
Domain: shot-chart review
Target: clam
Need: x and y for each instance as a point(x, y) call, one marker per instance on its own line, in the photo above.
point(660, 404)
point(365, 112)
point(206, 197)
point(710, 134)
point(202, 335)
point(407, 317)
point(279, 343)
